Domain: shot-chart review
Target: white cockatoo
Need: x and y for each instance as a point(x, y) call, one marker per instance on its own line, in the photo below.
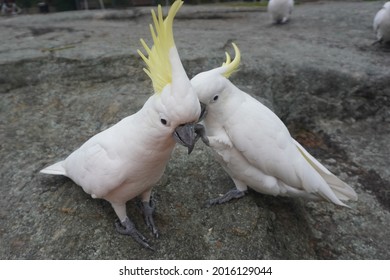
point(127, 159)
point(280, 10)
point(382, 24)
point(254, 146)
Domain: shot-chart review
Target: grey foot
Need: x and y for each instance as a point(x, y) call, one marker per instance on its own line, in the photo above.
point(232, 194)
point(127, 227)
point(201, 133)
point(147, 209)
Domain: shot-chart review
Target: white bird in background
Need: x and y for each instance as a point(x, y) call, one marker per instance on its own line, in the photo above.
point(280, 10)
point(382, 24)
point(254, 146)
point(127, 159)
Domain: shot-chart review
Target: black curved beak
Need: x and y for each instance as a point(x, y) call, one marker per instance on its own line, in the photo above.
point(185, 135)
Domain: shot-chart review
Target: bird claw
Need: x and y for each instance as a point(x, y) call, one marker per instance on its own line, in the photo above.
point(232, 194)
point(148, 208)
point(127, 227)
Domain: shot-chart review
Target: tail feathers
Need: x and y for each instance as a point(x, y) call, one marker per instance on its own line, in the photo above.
point(55, 169)
point(342, 190)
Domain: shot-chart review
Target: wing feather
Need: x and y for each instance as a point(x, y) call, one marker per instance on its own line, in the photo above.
point(343, 191)
point(264, 140)
point(266, 143)
point(55, 169)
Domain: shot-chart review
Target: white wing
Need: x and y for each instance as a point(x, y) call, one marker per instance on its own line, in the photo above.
point(108, 159)
point(130, 154)
point(103, 162)
point(342, 190)
point(265, 142)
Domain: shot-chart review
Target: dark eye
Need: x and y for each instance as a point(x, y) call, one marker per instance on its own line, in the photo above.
point(164, 121)
point(215, 98)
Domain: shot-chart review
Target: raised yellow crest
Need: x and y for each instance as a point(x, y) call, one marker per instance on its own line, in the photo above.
point(232, 66)
point(159, 67)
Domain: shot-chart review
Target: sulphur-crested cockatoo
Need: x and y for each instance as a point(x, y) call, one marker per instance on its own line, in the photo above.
point(127, 159)
point(254, 146)
point(382, 24)
point(280, 10)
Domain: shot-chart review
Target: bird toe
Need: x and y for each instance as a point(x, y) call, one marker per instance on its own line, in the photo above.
point(127, 227)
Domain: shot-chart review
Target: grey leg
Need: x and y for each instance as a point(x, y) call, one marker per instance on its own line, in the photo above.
point(147, 208)
point(232, 194)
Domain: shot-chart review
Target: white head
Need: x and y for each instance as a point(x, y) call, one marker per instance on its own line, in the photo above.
point(213, 86)
point(176, 107)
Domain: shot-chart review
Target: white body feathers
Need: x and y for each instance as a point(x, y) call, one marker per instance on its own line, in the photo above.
point(119, 156)
point(381, 24)
point(280, 10)
point(255, 147)
point(125, 160)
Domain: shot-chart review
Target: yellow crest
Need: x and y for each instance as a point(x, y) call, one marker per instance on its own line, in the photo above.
point(159, 67)
point(232, 66)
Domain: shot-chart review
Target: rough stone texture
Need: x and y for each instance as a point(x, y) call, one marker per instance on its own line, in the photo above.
point(66, 76)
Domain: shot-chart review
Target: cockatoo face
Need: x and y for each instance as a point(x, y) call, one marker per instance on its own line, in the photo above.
point(210, 87)
point(176, 114)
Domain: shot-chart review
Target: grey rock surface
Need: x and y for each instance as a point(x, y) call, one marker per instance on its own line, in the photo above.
point(66, 76)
